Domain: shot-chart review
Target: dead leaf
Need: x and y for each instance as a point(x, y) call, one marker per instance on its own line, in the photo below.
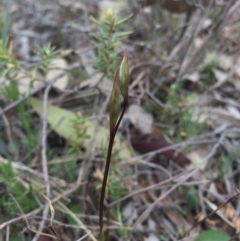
point(194, 77)
point(197, 158)
point(206, 23)
point(144, 146)
point(141, 119)
point(225, 62)
point(234, 112)
point(26, 83)
point(220, 76)
point(151, 237)
point(58, 67)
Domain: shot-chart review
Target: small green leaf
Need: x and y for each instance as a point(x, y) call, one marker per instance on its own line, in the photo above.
point(123, 20)
point(122, 34)
point(95, 20)
point(213, 235)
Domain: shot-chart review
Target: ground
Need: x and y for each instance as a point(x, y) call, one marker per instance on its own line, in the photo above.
point(174, 172)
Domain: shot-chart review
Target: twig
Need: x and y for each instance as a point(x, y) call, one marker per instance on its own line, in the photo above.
point(213, 212)
point(152, 187)
point(84, 236)
point(49, 82)
point(197, 29)
point(24, 216)
point(15, 103)
point(145, 214)
point(44, 142)
point(186, 64)
point(7, 232)
point(44, 160)
point(8, 127)
point(22, 167)
point(67, 192)
point(214, 149)
point(79, 222)
point(152, 153)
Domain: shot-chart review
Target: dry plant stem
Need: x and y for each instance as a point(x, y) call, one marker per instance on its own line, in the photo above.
point(41, 225)
point(79, 222)
point(8, 127)
point(50, 83)
point(44, 160)
point(164, 195)
point(152, 187)
point(44, 142)
point(7, 233)
point(27, 223)
point(222, 16)
point(114, 226)
point(190, 42)
point(181, 144)
point(210, 214)
point(34, 212)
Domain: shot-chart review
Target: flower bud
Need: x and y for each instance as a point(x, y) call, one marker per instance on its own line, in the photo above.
point(124, 75)
point(114, 108)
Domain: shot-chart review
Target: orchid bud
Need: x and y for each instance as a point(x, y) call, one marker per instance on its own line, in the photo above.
point(114, 109)
point(123, 75)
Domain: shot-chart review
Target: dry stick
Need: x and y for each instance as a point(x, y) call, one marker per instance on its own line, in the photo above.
point(190, 40)
point(44, 160)
point(188, 16)
point(181, 144)
point(7, 233)
point(164, 195)
point(214, 150)
point(82, 174)
point(210, 214)
point(114, 226)
point(152, 187)
point(50, 82)
point(79, 222)
point(44, 141)
point(28, 225)
point(183, 64)
point(22, 167)
point(8, 127)
point(67, 192)
point(186, 64)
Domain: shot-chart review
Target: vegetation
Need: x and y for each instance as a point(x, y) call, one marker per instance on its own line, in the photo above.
point(119, 122)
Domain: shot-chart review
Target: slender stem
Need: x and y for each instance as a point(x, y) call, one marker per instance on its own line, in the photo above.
point(104, 183)
point(121, 116)
point(109, 154)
